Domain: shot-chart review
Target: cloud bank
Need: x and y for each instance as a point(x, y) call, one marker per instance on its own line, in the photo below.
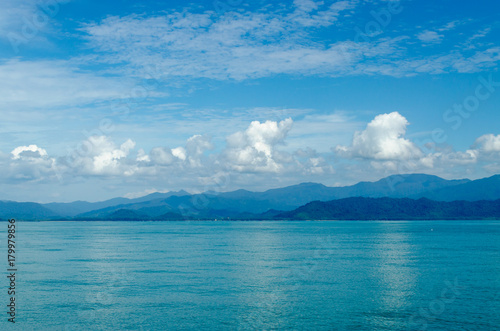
point(259, 152)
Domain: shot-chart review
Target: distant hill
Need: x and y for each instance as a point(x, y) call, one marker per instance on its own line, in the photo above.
point(480, 189)
point(126, 215)
point(396, 186)
point(401, 186)
point(394, 209)
point(71, 209)
point(24, 210)
point(243, 204)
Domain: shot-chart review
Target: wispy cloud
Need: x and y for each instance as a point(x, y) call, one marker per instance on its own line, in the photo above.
point(430, 37)
point(55, 83)
point(26, 23)
point(248, 45)
point(451, 25)
point(240, 46)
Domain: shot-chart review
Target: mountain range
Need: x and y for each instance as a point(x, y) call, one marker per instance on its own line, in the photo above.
point(394, 209)
point(270, 204)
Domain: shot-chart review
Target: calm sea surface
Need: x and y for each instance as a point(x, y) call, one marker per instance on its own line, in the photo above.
point(255, 275)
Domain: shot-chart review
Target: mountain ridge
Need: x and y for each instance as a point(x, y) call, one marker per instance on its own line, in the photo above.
point(358, 208)
point(243, 203)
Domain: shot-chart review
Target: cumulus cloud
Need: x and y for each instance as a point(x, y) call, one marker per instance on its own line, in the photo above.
point(142, 156)
point(254, 148)
point(195, 149)
point(99, 155)
point(470, 156)
point(166, 156)
point(252, 156)
point(488, 143)
point(32, 163)
point(28, 152)
point(109, 157)
point(311, 162)
point(383, 139)
point(190, 155)
point(383, 146)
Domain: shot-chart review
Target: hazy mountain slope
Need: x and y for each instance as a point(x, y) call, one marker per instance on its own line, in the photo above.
point(126, 215)
point(25, 210)
point(242, 202)
point(229, 204)
point(393, 209)
point(397, 186)
point(71, 209)
point(480, 189)
point(400, 186)
point(189, 205)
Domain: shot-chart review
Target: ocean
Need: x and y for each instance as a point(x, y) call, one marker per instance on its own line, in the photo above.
point(328, 275)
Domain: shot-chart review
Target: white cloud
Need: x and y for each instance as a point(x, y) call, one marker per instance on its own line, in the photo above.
point(470, 156)
point(383, 139)
point(253, 155)
point(179, 153)
point(31, 152)
point(107, 159)
point(430, 36)
point(142, 156)
point(383, 147)
point(100, 156)
point(197, 144)
point(162, 156)
point(488, 143)
point(31, 163)
point(189, 156)
point(253, 150)
point(310, 162)
point(195, 149)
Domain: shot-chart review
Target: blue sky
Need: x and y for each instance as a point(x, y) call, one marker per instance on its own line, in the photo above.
point(123, 98)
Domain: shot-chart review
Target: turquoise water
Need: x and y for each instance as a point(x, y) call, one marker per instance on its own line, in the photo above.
point(256, 275)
